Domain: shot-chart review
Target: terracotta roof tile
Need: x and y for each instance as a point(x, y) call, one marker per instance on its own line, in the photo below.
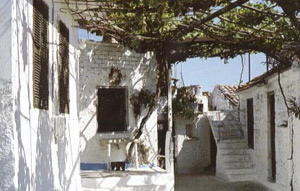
point(207, 94)
point(229, 91)
point(262, 78)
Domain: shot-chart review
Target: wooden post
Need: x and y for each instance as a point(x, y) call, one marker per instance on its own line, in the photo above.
point(136, 156)
point(108, 155)
point(169, 143)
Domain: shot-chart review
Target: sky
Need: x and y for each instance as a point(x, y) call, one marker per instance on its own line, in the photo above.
point(209, 72)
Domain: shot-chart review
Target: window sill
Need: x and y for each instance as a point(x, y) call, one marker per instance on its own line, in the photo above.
point(114, 135)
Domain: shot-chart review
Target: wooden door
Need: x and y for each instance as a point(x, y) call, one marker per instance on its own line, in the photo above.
point(271, 99)
point(250, 123)
point(213, 150)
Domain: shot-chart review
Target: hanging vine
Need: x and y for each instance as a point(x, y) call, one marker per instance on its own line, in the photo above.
point(182, 103)
point(144, 99)
point(294, 107)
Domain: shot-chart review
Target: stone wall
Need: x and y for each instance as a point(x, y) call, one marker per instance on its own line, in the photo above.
point(287, 138)
point(7, 158)
point(138, 72)
point(40, 160)
point(192, 153)
point(219, 101)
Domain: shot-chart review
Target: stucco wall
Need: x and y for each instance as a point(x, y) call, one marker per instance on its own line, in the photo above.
point(192, 153)
point(287, 168)
point(7, 158)
point(41, 161)
point(219, 102)
point(138, 72)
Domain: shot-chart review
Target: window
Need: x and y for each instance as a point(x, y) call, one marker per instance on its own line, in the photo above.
point(200, 107)
point(112, 109)
point(40, 55)
point(63, 68)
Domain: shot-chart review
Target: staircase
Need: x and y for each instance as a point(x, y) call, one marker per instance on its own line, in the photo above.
point(233, 159)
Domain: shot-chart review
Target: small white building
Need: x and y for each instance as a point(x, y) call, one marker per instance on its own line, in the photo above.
point(110, 75)
point(194, 150)
point(39, 131)
point(272, 132)
point(223, 97)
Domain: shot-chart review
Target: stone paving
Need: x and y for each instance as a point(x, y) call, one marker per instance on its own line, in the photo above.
point(209, 182)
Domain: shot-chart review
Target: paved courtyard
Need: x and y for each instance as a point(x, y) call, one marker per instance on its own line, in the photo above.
point(208, 182)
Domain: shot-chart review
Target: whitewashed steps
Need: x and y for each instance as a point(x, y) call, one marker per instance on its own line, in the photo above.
point(232, 147)
point(125, 181)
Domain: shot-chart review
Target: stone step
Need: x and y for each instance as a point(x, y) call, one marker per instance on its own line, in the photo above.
point(234, 141)
point(241, 177)
point(240, 171)
point(230, 134)
point(217, 123)
point(160, 181)
point(228, 145)
point(130, 188)
point(243, 157)
point(238, 165)
point(233, 151)
point(229, 128)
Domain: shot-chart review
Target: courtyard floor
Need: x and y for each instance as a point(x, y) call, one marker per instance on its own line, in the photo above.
point(209, 182)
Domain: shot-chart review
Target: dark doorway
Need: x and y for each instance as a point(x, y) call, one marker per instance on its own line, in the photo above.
point(250, 123)
point(112, 109)
point(271, 104)
point(211, 168)
point(213, 150)
point(161, 134)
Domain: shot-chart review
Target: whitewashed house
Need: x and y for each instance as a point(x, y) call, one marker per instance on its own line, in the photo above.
point(272, 133)
point(109, 76)
point(194, 144)
point(39, 131)
point(223, 97)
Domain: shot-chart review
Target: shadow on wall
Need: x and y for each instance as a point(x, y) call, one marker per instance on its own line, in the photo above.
point(194, 155)
point(44, 166)
point(95, 68)
point(24, 176)
point(35, 170)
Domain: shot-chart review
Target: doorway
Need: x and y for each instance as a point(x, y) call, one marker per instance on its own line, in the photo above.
point(250, 123)
point(162, 128)
point(213, 151)
point(272, 130)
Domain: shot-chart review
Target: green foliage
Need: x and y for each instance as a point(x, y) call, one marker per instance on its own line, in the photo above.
point(294, 107)
point(182, 103)
point(143, 153)
point(172, 27)
point(145, 99)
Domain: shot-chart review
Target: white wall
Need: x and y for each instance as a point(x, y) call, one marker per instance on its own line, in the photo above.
point(40, 161)
point(219, 101)
point(7, 158)
point(138, 72)
point(287, 169)
point(192, 154)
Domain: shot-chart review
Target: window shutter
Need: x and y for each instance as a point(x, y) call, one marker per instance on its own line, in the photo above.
point(63, 68)
point(40, 55)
